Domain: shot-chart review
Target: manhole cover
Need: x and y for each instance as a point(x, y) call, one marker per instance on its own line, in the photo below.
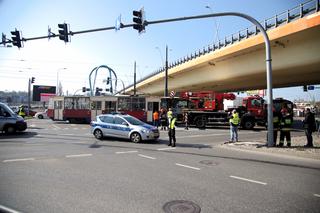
point(209, 163)
point(181, 206)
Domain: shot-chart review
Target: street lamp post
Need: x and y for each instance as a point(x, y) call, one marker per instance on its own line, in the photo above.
point(216, 38)
point(57, 88)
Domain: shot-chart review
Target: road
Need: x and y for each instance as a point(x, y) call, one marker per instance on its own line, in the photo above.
point(60, 167)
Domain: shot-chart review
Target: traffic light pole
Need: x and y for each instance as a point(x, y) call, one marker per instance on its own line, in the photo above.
point(29, 92)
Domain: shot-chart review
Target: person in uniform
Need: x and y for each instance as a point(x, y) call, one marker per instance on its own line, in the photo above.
point(172, 131)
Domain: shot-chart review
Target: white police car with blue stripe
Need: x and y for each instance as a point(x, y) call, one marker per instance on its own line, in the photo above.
point(123, 126)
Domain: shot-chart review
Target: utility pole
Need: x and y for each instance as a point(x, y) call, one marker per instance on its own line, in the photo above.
point(134, 79)
point(166, 76)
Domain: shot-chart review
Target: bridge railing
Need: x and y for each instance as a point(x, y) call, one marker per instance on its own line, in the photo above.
point(280, 19)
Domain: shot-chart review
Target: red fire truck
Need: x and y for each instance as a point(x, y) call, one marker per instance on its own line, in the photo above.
point(206, 108)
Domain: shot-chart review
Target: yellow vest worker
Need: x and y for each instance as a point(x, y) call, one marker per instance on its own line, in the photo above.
point(172, 132)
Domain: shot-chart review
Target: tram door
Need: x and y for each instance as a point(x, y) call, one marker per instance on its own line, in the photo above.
point(58, 110)
point(96, 109)
point(152, 106)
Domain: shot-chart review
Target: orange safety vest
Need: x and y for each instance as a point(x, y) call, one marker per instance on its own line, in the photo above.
point(156, 116)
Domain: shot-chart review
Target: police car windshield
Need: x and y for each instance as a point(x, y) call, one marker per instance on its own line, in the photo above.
point(133, 120)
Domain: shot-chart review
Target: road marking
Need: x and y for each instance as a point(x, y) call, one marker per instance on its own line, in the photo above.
point(78, 156)
point(32, 125)
point(145, 156)
point(126, 152)
point(55, 126)
point(84, 128)
point(75, 128)
point(190, 167)
point(66, 134)
point(249, 180)
point(169, 148)
point(16, 160)
point(6, 209)
point(316, 195)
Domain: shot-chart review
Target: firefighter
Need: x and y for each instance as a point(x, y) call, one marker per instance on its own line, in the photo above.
point(234, 121)
point(169, 116)
point(22, 111)
point(276, 125)
point(285, 127)
point(172, 131)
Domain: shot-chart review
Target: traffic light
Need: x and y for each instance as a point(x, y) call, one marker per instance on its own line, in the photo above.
point(16, 38)
point(63, 32)
point(32, 80)
point(84, 89)
point(305, 88)
point(139, 20)
point(4, 39)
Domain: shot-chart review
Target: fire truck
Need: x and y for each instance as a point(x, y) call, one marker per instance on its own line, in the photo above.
point(206, 108)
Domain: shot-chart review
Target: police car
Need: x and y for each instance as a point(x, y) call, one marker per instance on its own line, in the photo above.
point(123, 126)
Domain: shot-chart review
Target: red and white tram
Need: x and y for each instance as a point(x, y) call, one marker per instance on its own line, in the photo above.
point(83, 109)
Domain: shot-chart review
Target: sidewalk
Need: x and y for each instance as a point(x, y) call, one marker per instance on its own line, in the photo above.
point(297, 148)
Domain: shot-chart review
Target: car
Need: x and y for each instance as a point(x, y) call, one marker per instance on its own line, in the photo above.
point(41, 115)
point(123, 126)
point(9, 121)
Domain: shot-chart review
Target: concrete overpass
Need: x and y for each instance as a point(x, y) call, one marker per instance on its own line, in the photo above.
point(238, 63)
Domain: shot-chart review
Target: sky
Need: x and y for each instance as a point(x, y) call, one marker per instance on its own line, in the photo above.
point(52, 61)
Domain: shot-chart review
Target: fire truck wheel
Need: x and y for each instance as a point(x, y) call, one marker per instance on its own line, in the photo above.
point(135, 137)
point(248, 124)
point(98, 134)
point(200, 122)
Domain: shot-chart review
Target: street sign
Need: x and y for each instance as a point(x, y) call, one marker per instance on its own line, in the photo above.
point(310, 87)
point(172, 94)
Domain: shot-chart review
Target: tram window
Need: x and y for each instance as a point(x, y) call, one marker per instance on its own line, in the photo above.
point(110, 106)
point(58, 104)
point(84, 103)
point(124, 103)
point(96, 105)
point(150, 106)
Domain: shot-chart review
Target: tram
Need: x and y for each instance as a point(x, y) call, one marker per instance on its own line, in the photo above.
point(83, 109)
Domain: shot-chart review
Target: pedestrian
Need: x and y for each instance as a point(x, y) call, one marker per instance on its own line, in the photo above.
point(163, 119)
point(285, 127)
point(309, 124)
point(276, 125)
point(234, 121)
point(22, 111)
point(172, 131)
point(156, 118)
point(185, 119)
point(169, 115)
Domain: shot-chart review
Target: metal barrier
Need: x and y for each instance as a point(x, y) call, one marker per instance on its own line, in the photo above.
point(283, 18)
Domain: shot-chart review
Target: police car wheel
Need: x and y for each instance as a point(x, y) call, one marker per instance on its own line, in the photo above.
point(98, 134)
point(10, 130)
point(40, 116)
point(135, 137)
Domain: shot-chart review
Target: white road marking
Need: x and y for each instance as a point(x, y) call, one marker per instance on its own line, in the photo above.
point(17, 160)
point(66, 128)
point(67, 134)
point(126, 152)
point(55, 126)
point(78, 156)
point(169, 148)
point(84, 128)
point(32, 125)
point(196, 136)
point(316, 195)
point(249, 180)
point(75, 128)
point(145, 156)
point(6, 209)
point(186, 166)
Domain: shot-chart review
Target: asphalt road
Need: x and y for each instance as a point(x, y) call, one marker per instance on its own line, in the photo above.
point(60, 167)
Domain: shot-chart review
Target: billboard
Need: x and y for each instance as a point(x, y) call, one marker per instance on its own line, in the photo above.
point(42, 93)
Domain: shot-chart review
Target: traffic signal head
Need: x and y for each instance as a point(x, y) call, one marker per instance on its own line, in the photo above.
point(16, 38)
point(63, 32)
point(32, 80)
point(4, 39)
point(139, 20)
point(84, 89)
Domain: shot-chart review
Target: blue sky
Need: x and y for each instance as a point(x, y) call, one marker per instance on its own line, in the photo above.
point(71, 63)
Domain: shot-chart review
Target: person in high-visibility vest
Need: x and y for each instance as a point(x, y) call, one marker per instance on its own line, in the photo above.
point(234, 121)
point(276, 125)
point(22, 112)
point(172, 131)
point(285, 127)
point(169, 116)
